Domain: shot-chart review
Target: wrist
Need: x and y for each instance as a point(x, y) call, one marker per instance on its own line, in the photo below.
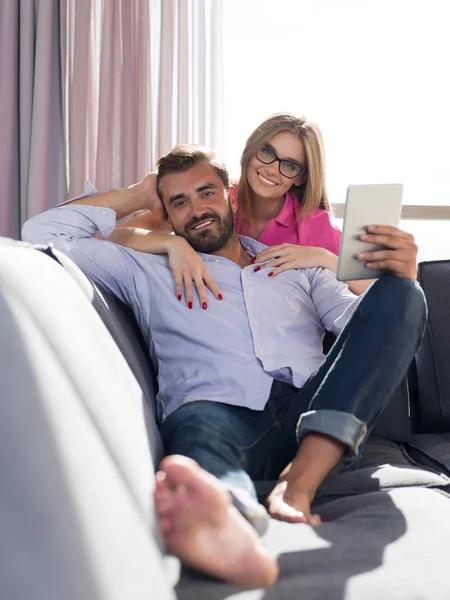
point(174, 244)
point(328, 260)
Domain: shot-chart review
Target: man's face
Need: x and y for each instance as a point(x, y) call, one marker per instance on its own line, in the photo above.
point(198, 207)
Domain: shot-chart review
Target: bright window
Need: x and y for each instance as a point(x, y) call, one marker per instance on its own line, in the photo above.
point(374, 75)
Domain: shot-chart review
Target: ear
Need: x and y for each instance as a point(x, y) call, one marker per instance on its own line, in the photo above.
point(169, 222)
point(232, 198)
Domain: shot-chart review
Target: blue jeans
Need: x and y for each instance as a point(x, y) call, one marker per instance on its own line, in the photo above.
point(342, 399)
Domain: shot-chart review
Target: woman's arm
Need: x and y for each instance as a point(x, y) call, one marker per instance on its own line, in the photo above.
point(187, 265)
point(292, 256)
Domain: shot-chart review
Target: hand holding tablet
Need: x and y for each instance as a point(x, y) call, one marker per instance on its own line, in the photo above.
point(386, 249)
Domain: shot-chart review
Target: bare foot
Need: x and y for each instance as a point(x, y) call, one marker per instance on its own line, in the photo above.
point(204, 530)
point(289, 505)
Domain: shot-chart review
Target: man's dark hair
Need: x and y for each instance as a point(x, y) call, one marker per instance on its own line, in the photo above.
point(185, 156)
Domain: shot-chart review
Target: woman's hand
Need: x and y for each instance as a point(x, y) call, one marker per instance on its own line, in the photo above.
point(190, 270)
point(292, 256)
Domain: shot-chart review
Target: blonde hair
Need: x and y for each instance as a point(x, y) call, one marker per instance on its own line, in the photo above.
point(311, 194)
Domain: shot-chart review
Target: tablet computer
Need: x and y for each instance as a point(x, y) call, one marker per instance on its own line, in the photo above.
point(377, 204)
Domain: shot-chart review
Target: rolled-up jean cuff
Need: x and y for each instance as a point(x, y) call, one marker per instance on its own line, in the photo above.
point(342, 426)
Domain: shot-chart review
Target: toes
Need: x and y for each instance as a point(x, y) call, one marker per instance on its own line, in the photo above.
point(315, 520)
point(180, 471)
point(163, 505)
point(294, 517)
point(165, 525)
point(284, 512)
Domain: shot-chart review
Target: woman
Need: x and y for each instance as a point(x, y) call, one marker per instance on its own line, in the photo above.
point(282, 202)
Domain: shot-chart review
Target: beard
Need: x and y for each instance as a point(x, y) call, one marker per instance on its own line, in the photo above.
point(210, 240)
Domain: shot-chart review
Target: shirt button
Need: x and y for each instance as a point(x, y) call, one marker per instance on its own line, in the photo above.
point(255, 323)
point(104, 213)
point(216, 260)
point(261, 351)
point(250, 296)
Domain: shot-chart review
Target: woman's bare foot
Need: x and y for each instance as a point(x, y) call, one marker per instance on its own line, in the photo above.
point(289, 505)
point(204, 530)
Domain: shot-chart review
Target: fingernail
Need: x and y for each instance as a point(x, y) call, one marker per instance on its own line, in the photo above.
point(270, 274)
point(369, 264)
point(361, 255)
point(220, 297)
point(179, 296)
point(204, 306)
point(256, 269)
point(253, 260)
point(189, 304)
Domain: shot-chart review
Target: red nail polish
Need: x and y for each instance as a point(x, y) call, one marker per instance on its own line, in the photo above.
point(253, 260)
point(179, 296)
point(256, 269)
point(189, 304)
point(220, 297)
point(204, 306)
point(270, 274)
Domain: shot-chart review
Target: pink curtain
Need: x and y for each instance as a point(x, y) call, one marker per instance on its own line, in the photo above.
point(139, 79)
point(97, 90)
point(32, 161)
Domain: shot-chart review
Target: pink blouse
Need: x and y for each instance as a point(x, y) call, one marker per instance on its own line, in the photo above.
point(317, 229)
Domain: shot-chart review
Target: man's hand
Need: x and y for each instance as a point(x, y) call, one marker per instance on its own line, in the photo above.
point(400, 256)
point(154, 202)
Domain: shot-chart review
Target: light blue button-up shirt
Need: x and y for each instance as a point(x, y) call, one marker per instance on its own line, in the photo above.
point(264, 328)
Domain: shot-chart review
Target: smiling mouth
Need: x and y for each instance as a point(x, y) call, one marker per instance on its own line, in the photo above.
point(202, 225)
point(265, 181)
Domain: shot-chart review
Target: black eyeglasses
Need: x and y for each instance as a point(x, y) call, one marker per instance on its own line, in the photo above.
point(288, 168)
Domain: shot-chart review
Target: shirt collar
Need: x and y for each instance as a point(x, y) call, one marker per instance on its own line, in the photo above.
point(253, 247)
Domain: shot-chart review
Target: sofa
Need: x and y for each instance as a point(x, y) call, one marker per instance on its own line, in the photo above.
point(79, 445)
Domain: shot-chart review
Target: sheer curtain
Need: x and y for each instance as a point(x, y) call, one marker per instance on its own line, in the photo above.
point(141, 75)
point(32, 166)
point(98, 89)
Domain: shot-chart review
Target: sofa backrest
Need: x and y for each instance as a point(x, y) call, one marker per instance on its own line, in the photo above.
point(433, 358)
point(76, 508)
point(121, 324)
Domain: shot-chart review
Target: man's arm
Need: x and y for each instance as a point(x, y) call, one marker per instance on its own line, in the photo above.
point(70, 228)
point(332, 299)
point(124, 201)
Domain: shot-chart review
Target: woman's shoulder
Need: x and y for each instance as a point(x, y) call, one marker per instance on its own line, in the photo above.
point(322, 217)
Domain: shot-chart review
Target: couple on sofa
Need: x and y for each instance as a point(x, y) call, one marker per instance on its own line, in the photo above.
point(245, 392)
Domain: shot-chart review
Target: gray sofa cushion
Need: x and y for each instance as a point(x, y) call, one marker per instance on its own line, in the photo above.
point(433, 358)
point(378, 545)
point(432, 451)
point(384, 465)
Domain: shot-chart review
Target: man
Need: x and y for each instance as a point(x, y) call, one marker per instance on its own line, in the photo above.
point(244, 390)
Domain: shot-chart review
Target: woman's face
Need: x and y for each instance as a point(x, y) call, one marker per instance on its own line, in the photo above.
point(266, 180)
